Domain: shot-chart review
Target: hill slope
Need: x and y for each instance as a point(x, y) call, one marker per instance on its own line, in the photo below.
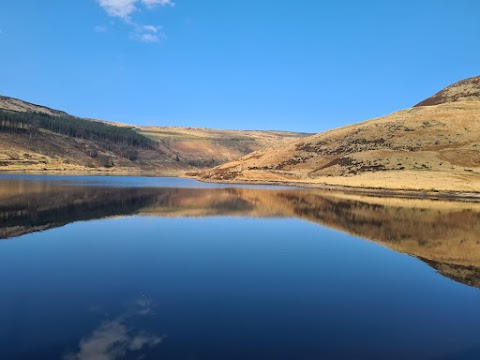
point(38, 138)
point(435, 147)
point(12, 104)
point(210, 147)
point(465, 90)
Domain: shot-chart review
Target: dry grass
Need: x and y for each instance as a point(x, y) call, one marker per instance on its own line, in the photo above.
point(12, 104)
point(423, 148)
point(209, 147)
point(179, 149)
point(465, 90)
point(49, 152)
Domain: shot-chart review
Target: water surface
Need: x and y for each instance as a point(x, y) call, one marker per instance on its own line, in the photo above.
point(149, 268)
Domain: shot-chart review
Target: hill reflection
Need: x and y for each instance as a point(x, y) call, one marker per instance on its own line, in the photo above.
point(442, 234)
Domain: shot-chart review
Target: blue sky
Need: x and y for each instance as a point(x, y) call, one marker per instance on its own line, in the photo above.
point(304, 65)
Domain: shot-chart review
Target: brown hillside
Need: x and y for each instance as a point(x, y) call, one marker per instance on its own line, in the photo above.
point(427, 147)
point(211, 147)
point(50, 152)
point(8, 103)
point(177, 149)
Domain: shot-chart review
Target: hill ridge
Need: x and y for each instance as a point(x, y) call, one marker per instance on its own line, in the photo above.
point(14, 104)
point(463, 90)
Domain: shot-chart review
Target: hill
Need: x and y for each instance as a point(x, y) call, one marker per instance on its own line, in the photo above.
point(432, 146)
point(37, 138)
point(465, 90)
point(12, 104)
point(200, 147)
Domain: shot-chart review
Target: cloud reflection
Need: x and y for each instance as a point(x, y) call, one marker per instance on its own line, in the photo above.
point(113, 340)
point(144, 306)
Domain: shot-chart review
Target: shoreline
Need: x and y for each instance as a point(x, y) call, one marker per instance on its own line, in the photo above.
point(450, 195)
point(446, 195)
point(146, 173)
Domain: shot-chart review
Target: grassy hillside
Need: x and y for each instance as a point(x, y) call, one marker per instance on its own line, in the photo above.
point(8, 103)
point(37, 138)
point(210, 147)
point(34, 141)
point(435, 147)
point(465, 90)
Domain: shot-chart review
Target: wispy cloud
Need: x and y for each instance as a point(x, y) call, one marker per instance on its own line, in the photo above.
point(152, 3)
point(148, 33)
point(124, 9)
point(100, 28)
point(143, 306)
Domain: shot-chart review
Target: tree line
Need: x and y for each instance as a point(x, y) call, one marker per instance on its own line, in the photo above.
point(30, 122)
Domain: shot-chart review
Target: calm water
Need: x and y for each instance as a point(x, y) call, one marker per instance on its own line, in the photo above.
point(145, 268)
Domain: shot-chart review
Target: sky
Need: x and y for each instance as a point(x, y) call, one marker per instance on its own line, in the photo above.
point(304, 65)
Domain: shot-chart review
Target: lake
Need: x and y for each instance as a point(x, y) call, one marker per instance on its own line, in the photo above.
point(108, 268)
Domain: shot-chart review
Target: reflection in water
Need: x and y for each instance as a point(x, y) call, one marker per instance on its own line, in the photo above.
point(442, 234)
point(113, 339)
point(225, 288)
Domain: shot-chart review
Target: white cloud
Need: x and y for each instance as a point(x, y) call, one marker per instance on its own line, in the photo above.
point(153, 3)
point(119, 8)
point(148, 33)
point(124, 9)
point(147, 38)
point(152, 28)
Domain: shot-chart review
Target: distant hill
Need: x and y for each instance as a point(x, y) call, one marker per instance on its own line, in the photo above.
point(38, 138)
point(432, 146)
point(205, 148)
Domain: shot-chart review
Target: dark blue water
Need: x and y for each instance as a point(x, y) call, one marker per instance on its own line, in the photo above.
point(182, 286)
